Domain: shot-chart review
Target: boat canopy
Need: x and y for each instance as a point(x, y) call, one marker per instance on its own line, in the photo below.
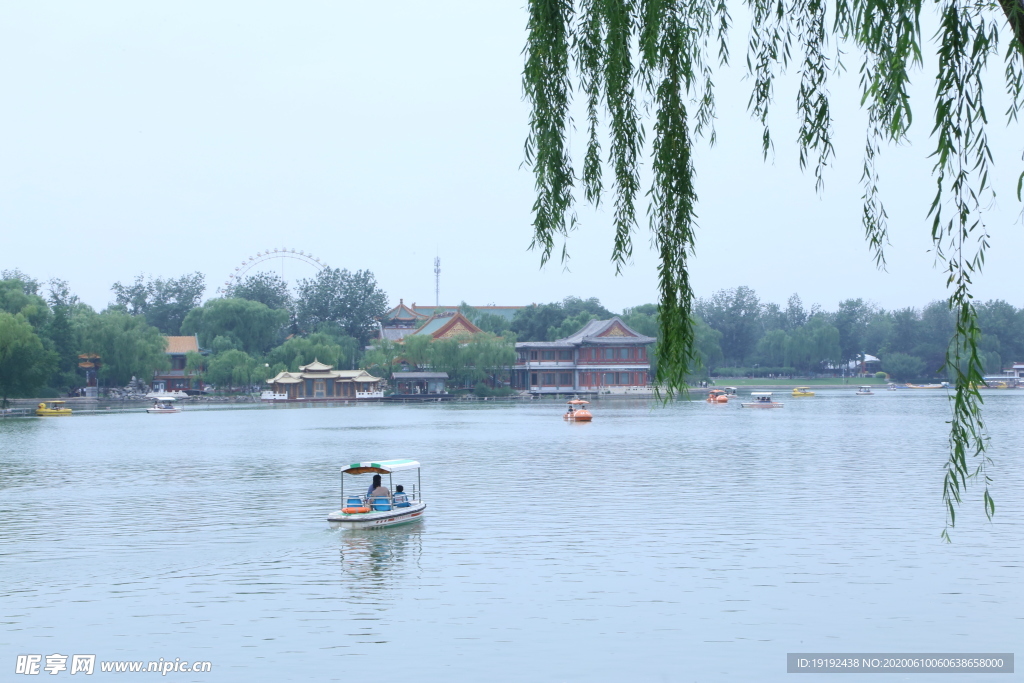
point(382, 467)
point(161, 399)
point(578, 402)
point(760, 393)
point(800, 388)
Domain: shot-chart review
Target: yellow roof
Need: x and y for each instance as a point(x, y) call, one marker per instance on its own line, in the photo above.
point(182, 344)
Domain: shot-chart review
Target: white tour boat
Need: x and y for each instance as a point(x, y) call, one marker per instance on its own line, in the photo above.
point(360, 512)
point(163, 404)
point(762, 399)
point(865, 391)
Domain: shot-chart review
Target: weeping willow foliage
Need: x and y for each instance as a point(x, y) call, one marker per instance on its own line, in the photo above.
point(637, 61)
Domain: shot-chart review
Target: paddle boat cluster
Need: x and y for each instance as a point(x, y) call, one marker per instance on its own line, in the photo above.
point(375, 512)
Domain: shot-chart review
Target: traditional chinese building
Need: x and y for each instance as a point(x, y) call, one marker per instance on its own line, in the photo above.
point(318, 381)
point(178, 378)
point(400, 321)
point(605, 356)
point(446, 325)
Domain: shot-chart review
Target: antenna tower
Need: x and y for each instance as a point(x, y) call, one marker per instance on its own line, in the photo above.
point(437, 281)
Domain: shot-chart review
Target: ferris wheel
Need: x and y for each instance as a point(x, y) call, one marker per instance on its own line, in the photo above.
point(268, 256)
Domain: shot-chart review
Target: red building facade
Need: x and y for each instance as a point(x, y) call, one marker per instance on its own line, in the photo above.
point(604, 356)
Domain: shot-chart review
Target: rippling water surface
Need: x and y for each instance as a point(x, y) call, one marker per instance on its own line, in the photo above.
point(692, 542)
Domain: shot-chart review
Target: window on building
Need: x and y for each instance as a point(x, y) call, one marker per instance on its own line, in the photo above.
point(547, 355)
point(564, 379)
point(609, 378)
point(622, 378)
point(533, 355)
point(547, 379)
point(642, 353)
point(565, 355)
point(608, 354)
point(533, 378)
point(623, 353)
point(177, 362)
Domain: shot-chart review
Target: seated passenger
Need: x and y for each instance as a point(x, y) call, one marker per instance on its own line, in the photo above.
point(401, 497)
point(377, 490)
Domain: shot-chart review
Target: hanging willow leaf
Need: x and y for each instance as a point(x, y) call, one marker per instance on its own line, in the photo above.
point(640, 60)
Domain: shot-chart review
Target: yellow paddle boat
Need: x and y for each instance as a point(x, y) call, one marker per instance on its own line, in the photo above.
point(802, 391)
point(52, 409)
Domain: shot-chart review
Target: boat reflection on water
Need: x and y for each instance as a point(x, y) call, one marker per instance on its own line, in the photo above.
point(380, 557)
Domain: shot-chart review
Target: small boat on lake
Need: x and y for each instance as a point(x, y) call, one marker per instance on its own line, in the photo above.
point(163, 404)
point(762, 399)
point(717, 396)
point(865, 391)
point(52, 409)
point(731, 391)
point(364, 512)
point(802, 391)
point(576, 411)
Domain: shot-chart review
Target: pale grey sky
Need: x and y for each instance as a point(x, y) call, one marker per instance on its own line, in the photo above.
point(168, 138)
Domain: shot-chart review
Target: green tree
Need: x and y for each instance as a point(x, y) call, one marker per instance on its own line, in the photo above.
point(164, 303)
point(352, 301)
point(24, 363)
point(637, 59)
point(18, 294)
point(195, 365)
point(233, 369)
point(489, 357)
point(267, 288)
point(382, 358)
point(127, 346)
point(903, 367)
point(62, 334)
point(416, 349)
point(736, 313)
point(643, 319)
point(254, 325)
point(304, 350)
point(571, 325)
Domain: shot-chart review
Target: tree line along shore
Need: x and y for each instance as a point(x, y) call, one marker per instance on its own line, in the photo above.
point(260, 326)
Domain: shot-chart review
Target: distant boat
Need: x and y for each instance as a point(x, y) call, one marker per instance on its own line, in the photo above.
point(361, 512)
point(717, 396)
point(802, 391)
point(944, 385)
point(865, 391)
point(52, 409)
point(163, 404)
point(762, 399)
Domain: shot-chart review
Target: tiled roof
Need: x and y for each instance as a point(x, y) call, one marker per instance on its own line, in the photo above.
point(507, 312)
point(612, 331)
point(182, 344)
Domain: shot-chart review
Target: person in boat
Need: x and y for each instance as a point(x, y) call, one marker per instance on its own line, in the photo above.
point(401, 497)
point(376, 490)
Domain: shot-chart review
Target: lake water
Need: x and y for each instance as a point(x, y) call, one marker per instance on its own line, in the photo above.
point(692, 542)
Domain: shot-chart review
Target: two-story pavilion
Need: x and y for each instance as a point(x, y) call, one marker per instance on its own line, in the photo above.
point(178, 378)
point(604, 356)
point(319, 381)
